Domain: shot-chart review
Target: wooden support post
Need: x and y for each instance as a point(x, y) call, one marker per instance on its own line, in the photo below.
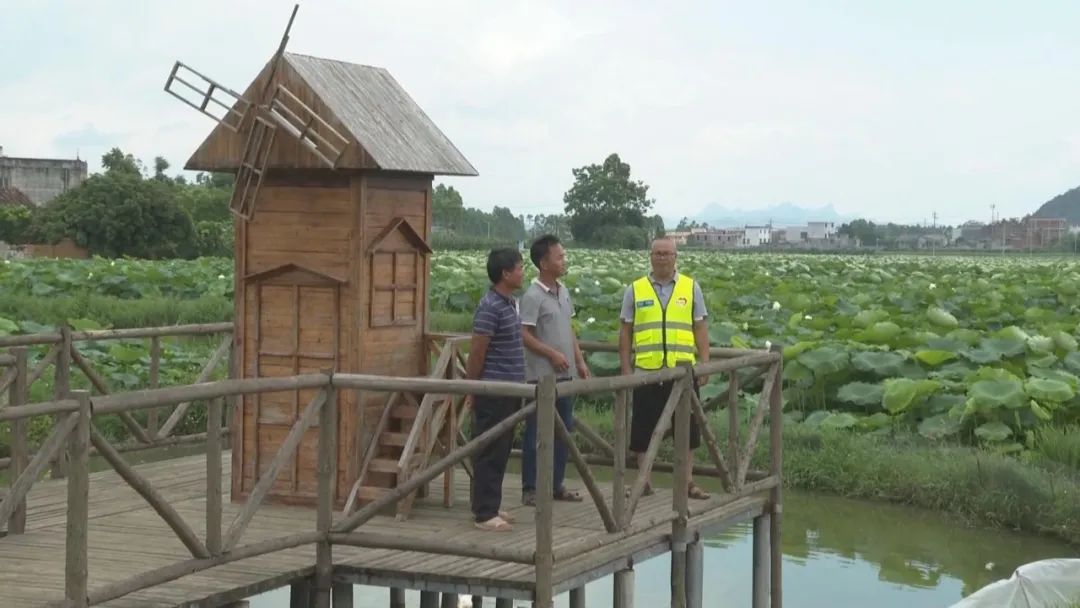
point(155, 382)
point(449, 600)
point(397, 598)
point(18, 394)
point(325, 469)
point(760, 594)
point(733, 425)
point(78, 508)
point(577, 597)
point(695, 573)
point(680, 495)
point(618, 482)
point(502, 602)
point(545, 461)
point(623, 595)
point(776, 441)
point(61, 388)
point(300, 594)
point(429, 599)
point(213, 477)
point(343, 595)
point(477, 601)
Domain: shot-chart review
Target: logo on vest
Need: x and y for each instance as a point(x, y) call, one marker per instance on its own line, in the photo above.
point(645, 303)
point(681, 302)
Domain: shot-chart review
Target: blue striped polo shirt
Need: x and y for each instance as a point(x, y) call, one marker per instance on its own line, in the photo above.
point(497, 316)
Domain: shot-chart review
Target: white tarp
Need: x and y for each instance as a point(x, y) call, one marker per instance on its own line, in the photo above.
point(1051, 583)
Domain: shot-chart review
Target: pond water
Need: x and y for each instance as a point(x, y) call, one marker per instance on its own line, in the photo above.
point(837, 552)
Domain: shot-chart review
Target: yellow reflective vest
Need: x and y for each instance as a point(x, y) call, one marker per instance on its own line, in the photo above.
point(663, 336)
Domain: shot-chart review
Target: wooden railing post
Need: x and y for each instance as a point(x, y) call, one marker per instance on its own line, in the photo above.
point(733, 427)
point(155, 381)
point(61, 389)
point(326, 469)
point(680, 493)
point(18, 394)
point(213, 477)
point(618, 482)
point(545, 467)
point(78, 488)
point(776, 444)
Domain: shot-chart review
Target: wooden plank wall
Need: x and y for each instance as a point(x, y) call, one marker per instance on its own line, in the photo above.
point(307, 219)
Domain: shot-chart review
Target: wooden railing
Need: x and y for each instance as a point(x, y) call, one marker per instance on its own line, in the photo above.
point(219, 545)
point(63, 352)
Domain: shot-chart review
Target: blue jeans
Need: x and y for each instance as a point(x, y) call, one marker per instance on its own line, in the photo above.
point(565, 408)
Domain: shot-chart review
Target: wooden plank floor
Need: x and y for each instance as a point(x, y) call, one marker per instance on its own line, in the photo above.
point(126, 537)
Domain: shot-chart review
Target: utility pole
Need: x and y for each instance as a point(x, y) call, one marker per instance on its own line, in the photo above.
point(992, 220)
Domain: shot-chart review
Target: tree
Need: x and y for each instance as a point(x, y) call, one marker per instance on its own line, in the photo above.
point(655, 226)
point(447, 207)
point(604, 197)
point(865, 231)
point(160, 167)
point(207, 200)
point(118, 213)
point(685, 225)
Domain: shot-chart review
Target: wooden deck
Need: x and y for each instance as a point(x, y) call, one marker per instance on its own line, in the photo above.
point(127, 537)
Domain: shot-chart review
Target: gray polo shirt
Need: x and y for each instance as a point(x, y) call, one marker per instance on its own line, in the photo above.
point(549, 312)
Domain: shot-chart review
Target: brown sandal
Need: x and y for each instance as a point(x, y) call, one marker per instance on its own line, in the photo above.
point(567, 495)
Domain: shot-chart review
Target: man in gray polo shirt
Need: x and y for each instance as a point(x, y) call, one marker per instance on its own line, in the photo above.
point(550, 348)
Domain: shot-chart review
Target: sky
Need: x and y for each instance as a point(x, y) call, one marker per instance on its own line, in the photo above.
point(886, 110)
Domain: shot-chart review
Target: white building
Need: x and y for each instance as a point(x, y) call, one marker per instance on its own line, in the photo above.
point(820, 231)
point(756, 236)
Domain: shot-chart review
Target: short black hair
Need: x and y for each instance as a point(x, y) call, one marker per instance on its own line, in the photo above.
point(500, 261)
point(540, 248)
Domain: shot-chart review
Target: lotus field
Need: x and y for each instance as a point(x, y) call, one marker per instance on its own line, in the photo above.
point(981, 349)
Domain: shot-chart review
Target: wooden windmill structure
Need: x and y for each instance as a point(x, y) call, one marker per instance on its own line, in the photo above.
point(334, 165)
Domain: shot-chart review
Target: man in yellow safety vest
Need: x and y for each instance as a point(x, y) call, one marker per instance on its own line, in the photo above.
point(664, 323)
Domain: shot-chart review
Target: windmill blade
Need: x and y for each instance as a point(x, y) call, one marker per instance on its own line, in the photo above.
point(249, 176)
point(235, 108)
point(300, 121)
point(280, 51)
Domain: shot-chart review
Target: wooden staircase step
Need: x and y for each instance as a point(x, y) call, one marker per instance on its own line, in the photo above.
point(405, 411)
point(369, 493)
point(393, 439)
point(384, 465)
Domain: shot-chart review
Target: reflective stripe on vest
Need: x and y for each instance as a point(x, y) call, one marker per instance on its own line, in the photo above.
point(663, 335)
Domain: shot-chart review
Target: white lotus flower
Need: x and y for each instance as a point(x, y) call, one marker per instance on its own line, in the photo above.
point(90, 275)
point(597, 283)
point(776, 305)
point(221, 276)
point(591, 320)
point(745, 326)
point(808, 318)
point(577, 290)
point(989, 565)
point(932, 286)
point(112, 263)
point(768, 344)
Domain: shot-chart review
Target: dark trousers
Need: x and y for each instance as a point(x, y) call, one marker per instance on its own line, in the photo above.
point(489, 464)
point(565, 408)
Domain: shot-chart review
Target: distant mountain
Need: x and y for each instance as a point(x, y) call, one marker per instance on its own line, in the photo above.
point(1065, 205)
point(781, 215)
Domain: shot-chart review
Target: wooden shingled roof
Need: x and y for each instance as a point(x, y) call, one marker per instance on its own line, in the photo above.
point(388, 130)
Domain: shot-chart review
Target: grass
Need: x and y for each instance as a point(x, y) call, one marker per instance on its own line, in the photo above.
point(1059, 446)
point(976, 486)
point(116, 312)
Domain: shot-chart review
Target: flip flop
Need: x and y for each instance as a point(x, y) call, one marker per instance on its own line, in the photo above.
point(697, 493)
point(495, 524)
point(505, 515)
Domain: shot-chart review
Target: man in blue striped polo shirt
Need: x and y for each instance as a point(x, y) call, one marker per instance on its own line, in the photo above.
point(495, 353)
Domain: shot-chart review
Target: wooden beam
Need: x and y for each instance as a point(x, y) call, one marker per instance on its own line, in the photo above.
point(680, 499)
point(776, 431)
point(711, 444)
point(618, 481)
point(177, 570)
point(17, 494)
point(397, 597)
point(155, 382)
point(369, 452)
point(266, 480)
point(449, 600)
point(429, 599)
point(577, 597)
point(623, 594)
point(99, 383)
point(594, 437)
point(204, 375)
point(20, 452)
point(760, 563)
point(545, 475)
point(213, 477)
point(485, 388)
point(662, 426)
point(195, 329)
point(138, 400)
point(61, 389)
point(123, 448)
point(43, 364)
point(733, 426)
point(326, 472)
point(607, 384)
point(78, 507)
point(434, 546)
point(343, 595)
point(695, 574)
point(586, 476)
point(357, 519)
point(145, 489)
point(755, 426)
